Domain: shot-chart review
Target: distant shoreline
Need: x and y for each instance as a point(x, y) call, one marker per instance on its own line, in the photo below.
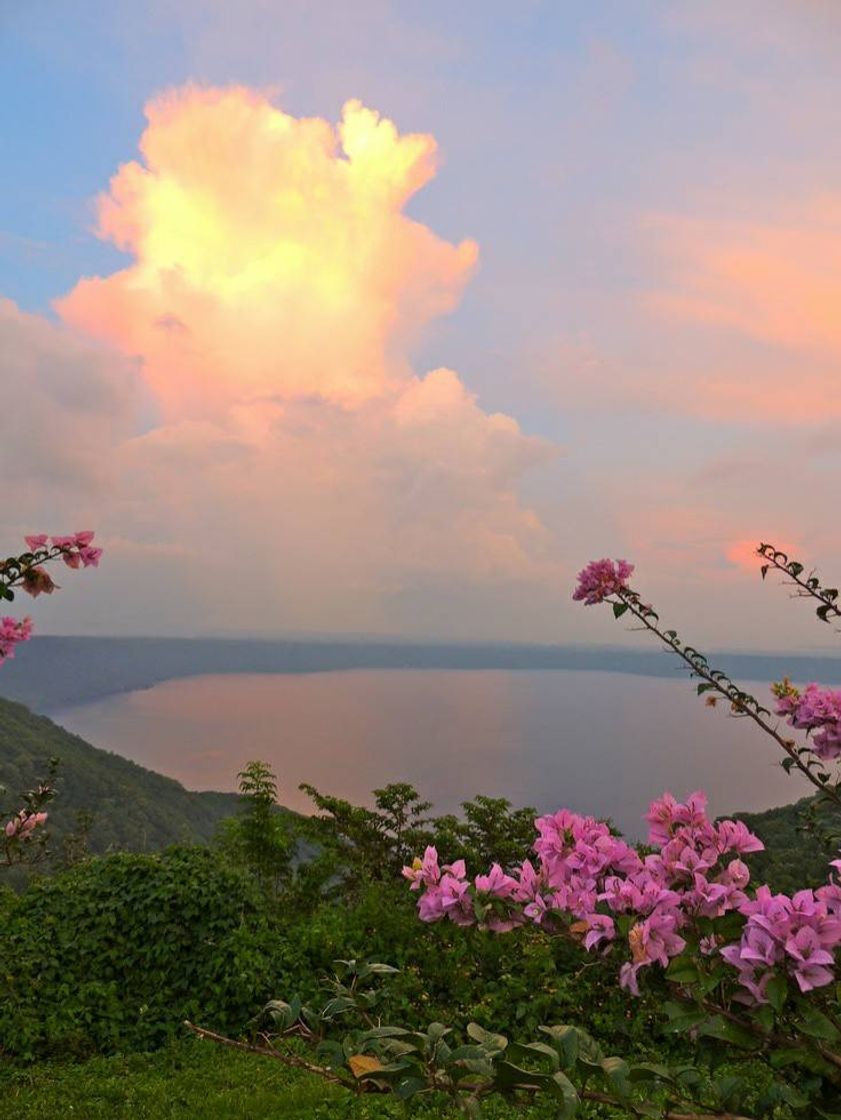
point(50, 672)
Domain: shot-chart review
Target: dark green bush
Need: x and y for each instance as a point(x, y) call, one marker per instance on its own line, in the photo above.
point(115, 953)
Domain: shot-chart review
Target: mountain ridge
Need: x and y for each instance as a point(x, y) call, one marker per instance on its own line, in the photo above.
point(51, 673)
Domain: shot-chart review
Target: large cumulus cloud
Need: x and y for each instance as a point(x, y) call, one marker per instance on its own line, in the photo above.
point(291, 470)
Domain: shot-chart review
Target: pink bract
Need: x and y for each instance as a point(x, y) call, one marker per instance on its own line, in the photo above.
point(600, 579)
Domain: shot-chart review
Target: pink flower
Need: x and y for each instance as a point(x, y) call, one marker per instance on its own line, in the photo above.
point(33, 543)
point(661, 818)
point(582, 867)
point(735, 836)
point(497, 883)
point(38, 581)
point(601, 928)
point(817, 710)
point(90, 556)
point(600, 579)
point(423, 871)
point(13, 631)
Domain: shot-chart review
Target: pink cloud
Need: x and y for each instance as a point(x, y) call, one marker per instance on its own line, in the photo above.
point(275, 291)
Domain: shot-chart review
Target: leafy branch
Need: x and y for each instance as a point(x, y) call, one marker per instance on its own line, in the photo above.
point(714, 680)
point(807, 586)
point(565, 1063)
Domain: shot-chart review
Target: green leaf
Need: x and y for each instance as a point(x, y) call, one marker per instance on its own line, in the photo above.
point(566, 1094)
point(523, 1051)
point(717, 1027)
point(486, 1038)
point(408, 1087)
point(682, 1018)
point(565, 1042)
point(649, 1071)
point(729, 1089)
point(777, 992)
point(619, 609)
point(682, 969)
point(616, 1071)
point(764, 1016)
point(815, 1024)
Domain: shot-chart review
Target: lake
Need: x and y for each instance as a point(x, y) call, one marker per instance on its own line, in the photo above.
point(602, 743)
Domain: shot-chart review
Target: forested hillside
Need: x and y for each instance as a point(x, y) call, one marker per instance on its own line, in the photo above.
point(795, 855)
point(131, 808)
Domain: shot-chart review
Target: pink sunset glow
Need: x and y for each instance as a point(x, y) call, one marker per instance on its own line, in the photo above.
point(422, 348)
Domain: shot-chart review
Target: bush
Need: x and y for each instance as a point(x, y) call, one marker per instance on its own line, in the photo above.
point(117, 952)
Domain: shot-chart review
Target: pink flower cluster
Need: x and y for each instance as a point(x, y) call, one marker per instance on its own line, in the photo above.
point(815, 709)
point(77, 550)
point(23, 824)
point(587, 879)
point(796, 935)
point(13, 631)
point(602, 578)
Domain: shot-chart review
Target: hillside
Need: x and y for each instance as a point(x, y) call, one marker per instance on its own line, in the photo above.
point(793, 857)
point(132, 808)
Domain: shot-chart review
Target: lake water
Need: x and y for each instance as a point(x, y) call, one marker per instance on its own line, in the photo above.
point(602, 743)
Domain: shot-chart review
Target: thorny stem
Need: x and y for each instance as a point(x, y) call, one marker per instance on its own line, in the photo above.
point(629, 598)
point(779, 561)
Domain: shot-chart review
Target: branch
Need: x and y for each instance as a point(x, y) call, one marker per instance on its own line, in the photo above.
point(266, 1052)
point(809, 587)
point(724, 686)
point(328, 1075)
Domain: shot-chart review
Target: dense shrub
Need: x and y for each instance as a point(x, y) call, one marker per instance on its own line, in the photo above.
point(115, 953)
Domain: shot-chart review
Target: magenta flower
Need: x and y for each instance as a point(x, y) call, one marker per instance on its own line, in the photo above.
point(584, 876)
point(601, 928)
point(12, 632)
point(815, 709)
point(600, 579)
point(423, 871)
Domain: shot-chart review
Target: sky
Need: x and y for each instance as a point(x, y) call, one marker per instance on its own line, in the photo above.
point(383, 319)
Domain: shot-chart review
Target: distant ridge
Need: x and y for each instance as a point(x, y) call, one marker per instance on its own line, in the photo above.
point(50, 673)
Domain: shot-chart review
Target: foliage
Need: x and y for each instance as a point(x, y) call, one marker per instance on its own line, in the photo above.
point(797, 845)
point(749, 971)
point(361, 845)
point(132, 809)
point(354, 1046)
point(260, 837)
point(113, 953)
point(23, 838)
point(357, 844)
point(192, 1080)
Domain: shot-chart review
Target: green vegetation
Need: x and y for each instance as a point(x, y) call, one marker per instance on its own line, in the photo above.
point(129, 808)
point(191, 1080)
point(104, 958)
point(799, 843)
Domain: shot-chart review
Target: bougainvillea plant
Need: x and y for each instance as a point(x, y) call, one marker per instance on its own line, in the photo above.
point(22, 837)
point(752, 974)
